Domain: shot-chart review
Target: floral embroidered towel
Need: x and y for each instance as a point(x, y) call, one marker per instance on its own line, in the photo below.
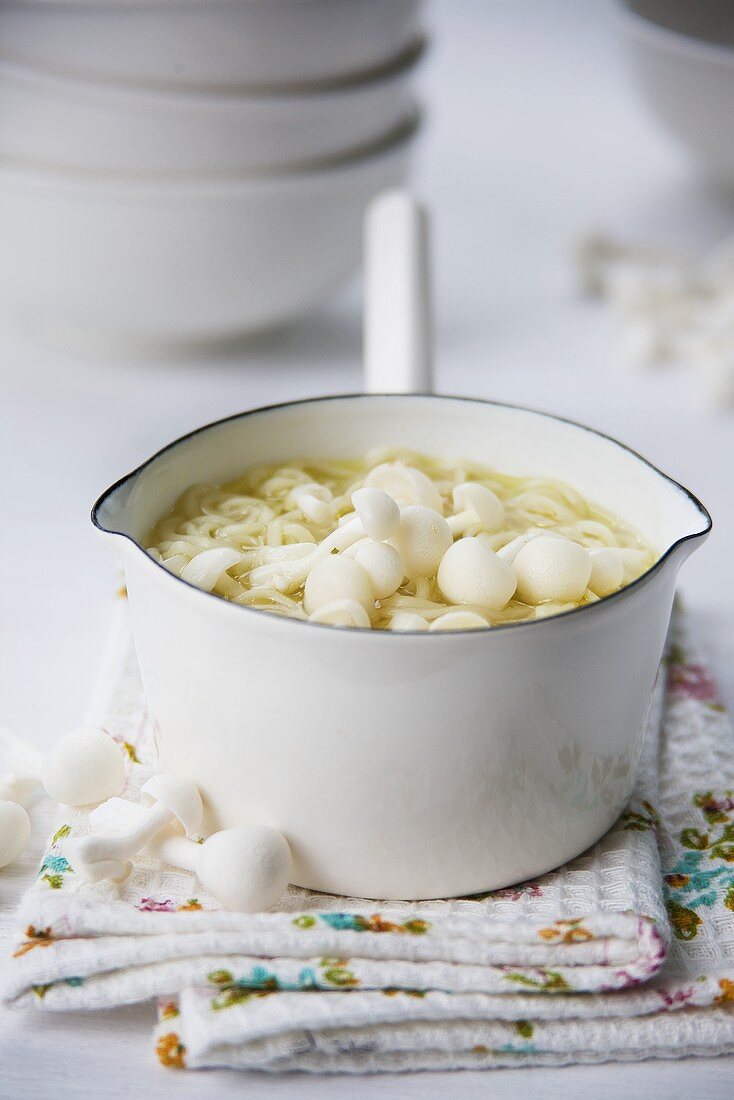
point(627, 952)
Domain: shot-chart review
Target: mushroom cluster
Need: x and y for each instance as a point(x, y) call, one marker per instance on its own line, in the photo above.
point(246, 869)
point(674, 309)
point(396, 543)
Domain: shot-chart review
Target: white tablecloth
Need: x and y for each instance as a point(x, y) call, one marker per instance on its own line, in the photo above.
point(533, 135)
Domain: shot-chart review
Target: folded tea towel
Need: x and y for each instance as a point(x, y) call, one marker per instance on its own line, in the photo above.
point(625, 953)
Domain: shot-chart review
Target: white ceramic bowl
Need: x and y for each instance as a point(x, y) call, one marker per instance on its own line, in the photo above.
point(210, 43)
point(165, 262)
point(682, 59)
point(405, 765)
point(76, 123)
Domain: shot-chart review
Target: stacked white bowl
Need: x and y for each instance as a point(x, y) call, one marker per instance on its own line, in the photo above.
point(189, 170)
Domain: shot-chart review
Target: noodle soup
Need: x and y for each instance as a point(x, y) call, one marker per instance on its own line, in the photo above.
point(398, 541)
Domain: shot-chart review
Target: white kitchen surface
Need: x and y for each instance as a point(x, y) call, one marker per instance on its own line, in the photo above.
point(533, 136)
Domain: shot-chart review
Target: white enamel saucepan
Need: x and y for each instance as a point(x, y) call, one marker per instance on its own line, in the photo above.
point(405, 765)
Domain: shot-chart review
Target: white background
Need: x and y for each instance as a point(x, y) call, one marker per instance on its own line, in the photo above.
point(533, 136)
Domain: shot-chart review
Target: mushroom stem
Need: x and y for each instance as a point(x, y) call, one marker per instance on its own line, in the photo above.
point(99, 849)
point(114, 870)
point(459, 522)
point(245, 869)
point(314, 500)
point(125, 828)
point(178, 851)
point(477, 506)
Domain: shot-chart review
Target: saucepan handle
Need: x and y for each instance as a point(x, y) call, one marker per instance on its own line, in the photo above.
point(398, 338)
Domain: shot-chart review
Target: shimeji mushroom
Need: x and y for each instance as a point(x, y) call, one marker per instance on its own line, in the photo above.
point(15, 832)
point(633, 561)
point(408, 620)
point(422, 539)
point(607, 571)
point(458, 620)
point(549, 568)
point(377, 516)
point(314, 500)
point(341, 612)
point(114, 870)
point(511, 549)
point(337, 578)
point(205, 569)
point(85, 766)
point(173, 799)
point(383, 565)
point(471, 573)
point(405, 484)
point(245, 869)
point(475, 506)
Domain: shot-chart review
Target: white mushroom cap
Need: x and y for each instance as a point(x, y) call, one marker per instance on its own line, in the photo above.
point(85, 766)
point(458, 620)
point(511, 549)
point(313, 500)
point(481, 503)
point(179, 796)
point(15, 832)
point(549, 568)
point(607, 571)
point(338, 578)
point(352, 550)
point(405, 484)
point(378, 512)
point(422, 539)
point(245, 869)
point(384, 567)
point(471, 573)
point(206, 568)
point(633, 562)
point(341, 613)
point(408, 620)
